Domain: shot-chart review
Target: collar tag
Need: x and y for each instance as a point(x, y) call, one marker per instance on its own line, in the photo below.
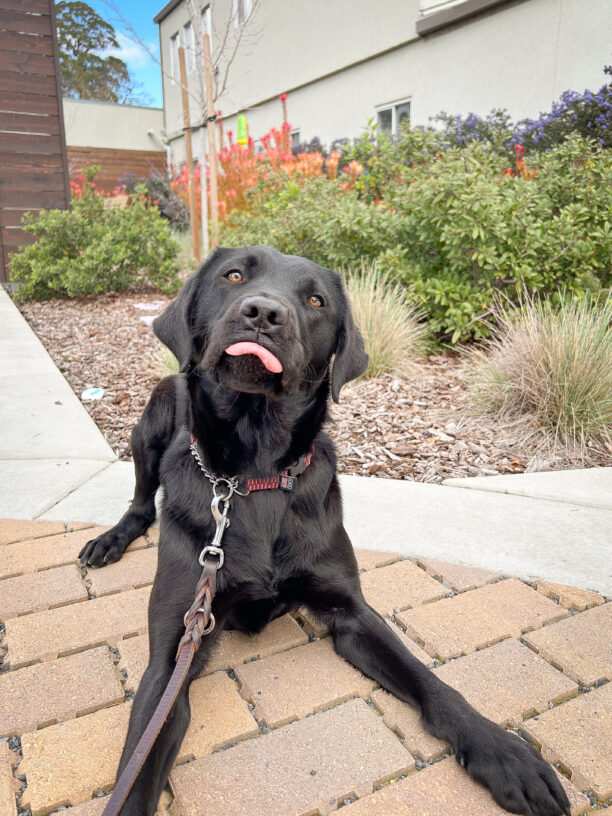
point(286, 482)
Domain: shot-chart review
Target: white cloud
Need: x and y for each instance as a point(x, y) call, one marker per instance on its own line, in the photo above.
point(131, 52)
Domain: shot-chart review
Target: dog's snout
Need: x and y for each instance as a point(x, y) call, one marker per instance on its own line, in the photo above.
point(263, 312)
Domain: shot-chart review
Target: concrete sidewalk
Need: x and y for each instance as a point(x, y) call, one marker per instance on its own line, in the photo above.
point(49, 445)
point(55, 465)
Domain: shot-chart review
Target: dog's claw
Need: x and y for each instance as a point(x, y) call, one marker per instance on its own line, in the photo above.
point(105, 549)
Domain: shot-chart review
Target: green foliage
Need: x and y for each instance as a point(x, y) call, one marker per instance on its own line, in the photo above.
point(315, 218)
point(81, 35)
point(550, 364)
point(92, 249)
point(454, 225)
point(385, 159)
point(468, 231)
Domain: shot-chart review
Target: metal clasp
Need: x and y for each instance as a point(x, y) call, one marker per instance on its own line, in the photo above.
point(210, 548)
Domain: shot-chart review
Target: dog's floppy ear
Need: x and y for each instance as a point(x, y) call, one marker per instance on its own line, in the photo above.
point(173, 326)
point(351, 359)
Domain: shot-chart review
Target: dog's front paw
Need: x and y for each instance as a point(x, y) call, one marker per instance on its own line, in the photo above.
point(519, 779)
point(105, 549)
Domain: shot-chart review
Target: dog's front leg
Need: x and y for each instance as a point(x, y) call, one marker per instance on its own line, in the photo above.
point(169, 601)
point(150, 438)
point(515, 773)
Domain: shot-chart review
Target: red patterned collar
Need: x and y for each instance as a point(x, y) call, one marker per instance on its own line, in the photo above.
point(285, 480)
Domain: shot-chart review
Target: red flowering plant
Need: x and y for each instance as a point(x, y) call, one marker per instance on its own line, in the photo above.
point(269, 165)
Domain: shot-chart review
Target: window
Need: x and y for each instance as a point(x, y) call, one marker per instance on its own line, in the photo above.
point(174, 60)
point(241, 11)
point(391, 117)
point(189, 46)
point(295, 138)
point(207, 23)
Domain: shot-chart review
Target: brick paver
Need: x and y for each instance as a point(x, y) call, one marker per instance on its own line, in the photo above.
point(469, 621)
point(443, 789)
point(569, 597)
point(68, 763)
point(459, 578)
point(311, 624)
point(234, 648)
point(42, 590)
point(370, 559)
point(579, 735)
point(406, 721)
point(8, 785)
point(95, 807)
point(305, 766)
point(412, 647)
point(507, 682)
point(46, 693)
point(523, 652)
point(153, 535)
point(24, 557)
point(56, 632)
point(503, 682)
point(14, 530)
point(581, 646)
point(290, 685)
point(399, 586)
point(219, 716)
point(134, 659)
point(135, 569)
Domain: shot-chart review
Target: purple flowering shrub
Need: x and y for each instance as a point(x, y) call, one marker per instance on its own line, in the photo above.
point(588, 113)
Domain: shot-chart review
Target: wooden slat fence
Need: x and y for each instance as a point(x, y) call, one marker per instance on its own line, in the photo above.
point(115, 164)
point(33, 163)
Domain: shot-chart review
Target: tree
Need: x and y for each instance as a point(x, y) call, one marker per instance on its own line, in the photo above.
point(82, 37)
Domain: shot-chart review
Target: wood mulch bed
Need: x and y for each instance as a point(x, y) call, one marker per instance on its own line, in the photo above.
point(416, 424)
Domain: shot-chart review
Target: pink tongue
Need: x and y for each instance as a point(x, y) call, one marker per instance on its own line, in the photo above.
point(272, 363)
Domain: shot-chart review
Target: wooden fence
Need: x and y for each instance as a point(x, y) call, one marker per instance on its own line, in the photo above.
point(116, 164)
point(33, 164)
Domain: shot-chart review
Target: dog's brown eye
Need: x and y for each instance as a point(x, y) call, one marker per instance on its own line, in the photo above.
point(234, 276)
point(315, 300)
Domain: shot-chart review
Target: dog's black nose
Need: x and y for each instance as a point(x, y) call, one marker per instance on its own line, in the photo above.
point(264, 313)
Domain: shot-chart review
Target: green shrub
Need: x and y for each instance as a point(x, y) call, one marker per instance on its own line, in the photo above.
point(454, 226)
point(315, 218)
point(391, 327)
point(468, 231)
point(550, 364)
point(91, 249)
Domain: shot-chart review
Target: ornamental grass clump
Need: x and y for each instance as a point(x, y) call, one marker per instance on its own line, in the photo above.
point(552, 365)
point(392, 329)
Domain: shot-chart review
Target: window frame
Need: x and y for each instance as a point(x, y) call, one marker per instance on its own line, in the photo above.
point(174, 63)
point(392, 106)
point(189, 46)
point(241, 11)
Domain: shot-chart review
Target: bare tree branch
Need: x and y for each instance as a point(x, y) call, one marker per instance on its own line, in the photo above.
point(233, 36)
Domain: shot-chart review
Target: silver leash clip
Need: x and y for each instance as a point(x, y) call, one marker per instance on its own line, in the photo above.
point(222, 522)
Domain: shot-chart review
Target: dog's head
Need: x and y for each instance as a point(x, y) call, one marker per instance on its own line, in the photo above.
point(258, 321)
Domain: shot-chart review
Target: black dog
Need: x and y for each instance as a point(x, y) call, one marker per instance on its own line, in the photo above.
point(254, 332)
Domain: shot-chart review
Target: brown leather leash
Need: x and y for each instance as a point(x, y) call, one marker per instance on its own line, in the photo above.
point(199, 619)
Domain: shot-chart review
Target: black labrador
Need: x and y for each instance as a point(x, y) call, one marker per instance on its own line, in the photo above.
point(255, 332)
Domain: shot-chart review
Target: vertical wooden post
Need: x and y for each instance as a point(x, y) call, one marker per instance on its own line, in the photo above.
point(212, 146)
point(193, 206)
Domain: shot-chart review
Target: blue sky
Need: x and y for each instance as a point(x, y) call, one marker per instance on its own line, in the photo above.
point(143, 69)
